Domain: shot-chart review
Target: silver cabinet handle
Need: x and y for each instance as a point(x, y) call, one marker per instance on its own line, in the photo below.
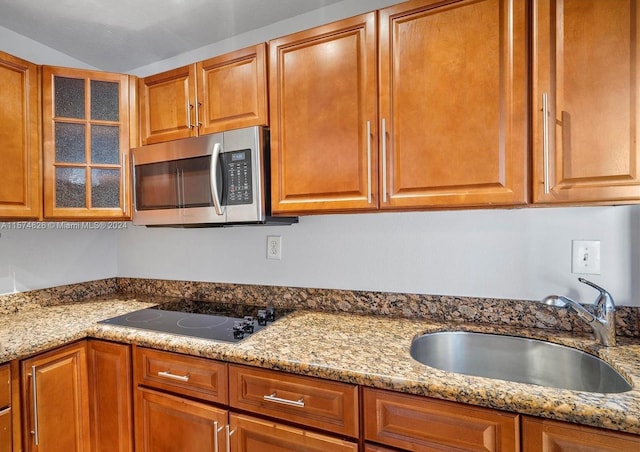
point(168, 374)
point(5, 411)
point(229, 433)
point(384, 159)
point(189, 108)
point(545, 142)
point(216, 446)
point(34, 389)
point(198, 105)
point(369, 162)
point(214, 180)
point(272, 398)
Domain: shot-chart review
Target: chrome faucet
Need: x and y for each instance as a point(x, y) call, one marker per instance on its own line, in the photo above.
point(603, 318)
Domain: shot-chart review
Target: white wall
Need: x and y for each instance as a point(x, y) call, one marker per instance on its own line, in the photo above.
point(520, 254)
point(39, 258)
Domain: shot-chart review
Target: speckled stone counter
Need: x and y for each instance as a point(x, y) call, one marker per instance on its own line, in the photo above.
point(362, 349)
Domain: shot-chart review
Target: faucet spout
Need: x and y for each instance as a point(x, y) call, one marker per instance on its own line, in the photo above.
point(602, 319)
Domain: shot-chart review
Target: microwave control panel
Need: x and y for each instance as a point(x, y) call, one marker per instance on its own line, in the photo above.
point(237, 171)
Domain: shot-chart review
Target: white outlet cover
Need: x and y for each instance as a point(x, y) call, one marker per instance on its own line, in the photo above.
point(274, 247)
point(585, 257)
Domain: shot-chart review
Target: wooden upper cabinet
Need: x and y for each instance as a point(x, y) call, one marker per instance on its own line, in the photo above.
point(20, 192)
point(585, 54)
point(221, 93)
point(167, 101)
point(453, 90)
point(323, 110)
point(232, 90)
point(86, 139)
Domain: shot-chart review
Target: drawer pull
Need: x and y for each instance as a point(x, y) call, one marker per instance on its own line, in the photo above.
point(272, 398)
point(5, 411)
point(168, 374)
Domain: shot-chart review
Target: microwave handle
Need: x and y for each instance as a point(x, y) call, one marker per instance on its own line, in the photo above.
point(214, 181)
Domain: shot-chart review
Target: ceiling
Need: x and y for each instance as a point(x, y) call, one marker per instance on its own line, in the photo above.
point(121, 35)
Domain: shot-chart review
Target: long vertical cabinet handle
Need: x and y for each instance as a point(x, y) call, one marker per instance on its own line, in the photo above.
point(369, 162)
point(198, 105)
point(384, 159)
point(34, 389)
point(189, 108)
point(229, 433)
point(545, 142)
point(216, 446)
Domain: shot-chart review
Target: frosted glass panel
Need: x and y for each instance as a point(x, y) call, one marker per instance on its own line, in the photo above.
point(70, 143)
point(105, 101)
point(69, 97)
point(70, 187)
point(105, 144)
point(105, 188)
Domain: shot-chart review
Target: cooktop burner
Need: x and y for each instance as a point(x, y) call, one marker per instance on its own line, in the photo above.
point(203, 319)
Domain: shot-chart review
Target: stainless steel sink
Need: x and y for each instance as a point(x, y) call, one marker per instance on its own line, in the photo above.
point(517, 359)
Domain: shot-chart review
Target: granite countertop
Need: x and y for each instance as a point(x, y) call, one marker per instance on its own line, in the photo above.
point(368, 350)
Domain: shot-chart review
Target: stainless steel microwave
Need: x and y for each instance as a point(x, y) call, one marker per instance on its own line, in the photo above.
point(212, 180)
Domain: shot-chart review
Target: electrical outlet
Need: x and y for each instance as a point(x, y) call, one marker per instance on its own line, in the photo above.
point(585, 257)
point(274, 247)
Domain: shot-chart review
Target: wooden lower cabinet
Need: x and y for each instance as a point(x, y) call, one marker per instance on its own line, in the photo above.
point(5, 409)
point(110, 388)
point(251, 434)
point(422, 424)
point(55, 399)
point(555, 436)
point(169, 423)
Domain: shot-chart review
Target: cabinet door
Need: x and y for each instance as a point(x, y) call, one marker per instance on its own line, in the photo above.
point(548, 435)
point(169, 423)
point(232, 90)
point(19, 139)
point(167, 105)
point(584, 69)
point(257, 435)
point(423, 424)
point(323, 112)
point(85, 144)
point(55, 397)
point(110, 388)
point(5, 409)
point(453, 103)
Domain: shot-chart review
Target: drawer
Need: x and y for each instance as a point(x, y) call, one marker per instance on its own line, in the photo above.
point(200, 378)
point(309, 401)
point(5, 386)
point(424, 424)
point(252, 434)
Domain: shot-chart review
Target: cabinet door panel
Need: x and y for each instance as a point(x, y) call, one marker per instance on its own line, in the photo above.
point(232, 90)
point(548, 435)
point(60, 408)
point(19, 139)
point(585, 58)
point(323, 118)
point(109, 371)
point(174, 424)
point(453, 95)
point(167, 105)
point(257, 435)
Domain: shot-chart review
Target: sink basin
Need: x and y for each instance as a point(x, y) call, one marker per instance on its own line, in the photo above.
point(517, 359)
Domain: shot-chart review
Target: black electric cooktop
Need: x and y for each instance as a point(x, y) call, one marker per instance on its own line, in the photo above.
point(202, 319)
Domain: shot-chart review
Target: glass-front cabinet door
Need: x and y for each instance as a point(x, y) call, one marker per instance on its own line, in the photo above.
point(86, 130)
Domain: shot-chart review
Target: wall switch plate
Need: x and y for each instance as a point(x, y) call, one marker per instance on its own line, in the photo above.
point(274, 247)
point(585, 257)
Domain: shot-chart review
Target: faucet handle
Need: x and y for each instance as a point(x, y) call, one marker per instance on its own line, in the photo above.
point(604, 303)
